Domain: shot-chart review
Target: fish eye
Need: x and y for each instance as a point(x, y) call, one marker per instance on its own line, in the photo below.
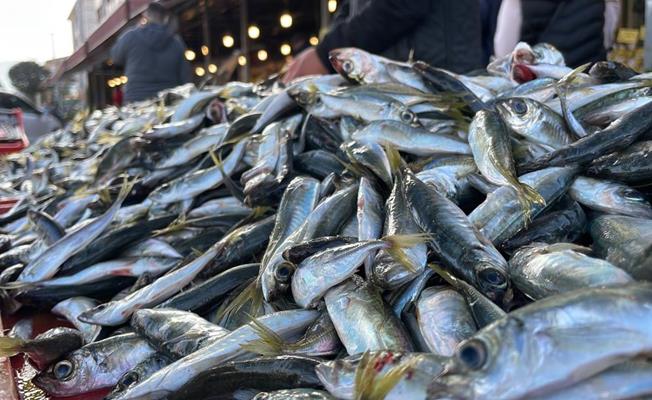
point(492, 276)
point(472, 354)
point(407, 116)
point(347, 66)
point(63, 370)
point(519, 107)
point(129, 379)
point(284, 272)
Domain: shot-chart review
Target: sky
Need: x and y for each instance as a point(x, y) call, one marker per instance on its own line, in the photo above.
point(35, 30)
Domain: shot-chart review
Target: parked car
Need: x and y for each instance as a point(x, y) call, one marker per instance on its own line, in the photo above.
point(37, 121)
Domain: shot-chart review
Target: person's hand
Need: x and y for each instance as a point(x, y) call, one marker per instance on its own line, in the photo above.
point(306, 63)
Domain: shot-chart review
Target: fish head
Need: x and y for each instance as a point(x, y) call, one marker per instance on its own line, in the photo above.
point(545, 53)
point(352, 63)
point(104, 314)
point(53, 344)
point(486, 362)
point(304, 94)
point(403, 113)
point(520, 113)
point(77, 373)
point(138, 374)
point(338, 376)
point(277, 278)
point(493, 280)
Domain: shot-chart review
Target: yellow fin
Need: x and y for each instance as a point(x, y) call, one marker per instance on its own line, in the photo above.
point(269, 342)
point(10, 346)
point(399, 242)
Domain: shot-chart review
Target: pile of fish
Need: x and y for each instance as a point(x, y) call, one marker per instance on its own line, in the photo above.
point(395, 231)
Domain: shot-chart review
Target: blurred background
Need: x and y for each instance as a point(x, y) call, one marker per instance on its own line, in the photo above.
point(59, 51)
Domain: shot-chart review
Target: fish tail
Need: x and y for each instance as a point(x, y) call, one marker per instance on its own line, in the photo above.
point(364, 376)
point(251, 297)
point(10, 346)
point(18, 285)
point(176, 225)
point(394, 157)
point(233, 188)
point(527, 196)
point(370, 386)
point(399, 242)
point(269, 342)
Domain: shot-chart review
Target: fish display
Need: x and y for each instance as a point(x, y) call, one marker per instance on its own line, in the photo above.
point(392, 231)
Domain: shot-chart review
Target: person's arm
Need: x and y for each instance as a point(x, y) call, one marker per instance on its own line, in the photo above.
point(508, 27)
point(119, 49)
point(376, 28)
point(611, 20)
point(185, 72)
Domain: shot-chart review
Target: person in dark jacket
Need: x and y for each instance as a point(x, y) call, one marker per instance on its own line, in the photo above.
point(443, 33)
point(152, 55)
point(575, 27)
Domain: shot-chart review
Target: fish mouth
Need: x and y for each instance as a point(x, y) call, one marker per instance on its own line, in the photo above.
point(335, 60)
point(522, 73)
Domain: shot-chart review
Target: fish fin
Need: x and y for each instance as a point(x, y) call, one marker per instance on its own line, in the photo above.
point(527, 196)
point(567, 246)
point(269, 342)
point(251, 296)
point(383, 385)
point(399, 242)
point(233, 188)
point(561, 88)
point(364, 377)
point(10, 346)
point(18, 285)
point(369, 386)
point(394, 157)
point(446, 275)
point(125, 189)
point(174, 226)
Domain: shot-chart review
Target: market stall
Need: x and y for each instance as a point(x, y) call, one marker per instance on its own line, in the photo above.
point(391, 231)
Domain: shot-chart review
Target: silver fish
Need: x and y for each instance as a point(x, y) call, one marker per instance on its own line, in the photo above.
point(444, 319)
point(71, 308)
point(158, 386)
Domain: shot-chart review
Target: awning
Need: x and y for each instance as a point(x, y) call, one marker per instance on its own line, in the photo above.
point(99, 42)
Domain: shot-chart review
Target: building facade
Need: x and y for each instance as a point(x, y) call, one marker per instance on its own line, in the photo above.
point(84, 20)
point(106, 7)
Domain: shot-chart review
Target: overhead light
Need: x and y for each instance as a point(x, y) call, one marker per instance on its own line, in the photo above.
point(199, 71)
point(110, 83)
point(314, 40)
point(286, 20)
point(123, 79)
point(242, 61)
point(204, 50)
point(212, 68)
point(332, 6)
point(253, 31)
point(190, 55)
point(228, 41)
point(262, 55)
point(286, 49)
point(116, 81)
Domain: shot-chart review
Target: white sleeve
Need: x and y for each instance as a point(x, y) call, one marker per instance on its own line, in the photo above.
point(611, 19)
point(508, 27)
